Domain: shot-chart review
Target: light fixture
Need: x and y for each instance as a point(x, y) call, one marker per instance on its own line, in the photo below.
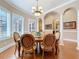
point(37, 10)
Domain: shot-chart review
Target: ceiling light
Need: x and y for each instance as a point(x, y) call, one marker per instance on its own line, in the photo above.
point(37, 10)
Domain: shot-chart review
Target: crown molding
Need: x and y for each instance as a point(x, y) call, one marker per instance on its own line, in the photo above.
point(24, 11)
point(16, 7)
point(60, 6)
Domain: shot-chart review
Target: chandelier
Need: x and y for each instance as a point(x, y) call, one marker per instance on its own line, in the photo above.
point(37, 10)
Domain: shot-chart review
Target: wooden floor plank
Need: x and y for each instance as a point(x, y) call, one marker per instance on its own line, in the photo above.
point(68, 51)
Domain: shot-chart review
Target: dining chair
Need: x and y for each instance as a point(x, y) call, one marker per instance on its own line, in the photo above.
point(28, 44)
point(48, 44)
point(16, 38)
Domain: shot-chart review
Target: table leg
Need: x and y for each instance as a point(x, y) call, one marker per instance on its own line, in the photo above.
point(38, 48)
point(19, 49)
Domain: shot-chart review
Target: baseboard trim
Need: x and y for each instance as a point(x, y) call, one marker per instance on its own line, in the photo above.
point(77, 48)
point(62, 44)
point(6, 47)
point(71, 40)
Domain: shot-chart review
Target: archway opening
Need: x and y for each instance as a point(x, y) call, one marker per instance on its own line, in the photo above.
point(51, 22)
point(69, 24)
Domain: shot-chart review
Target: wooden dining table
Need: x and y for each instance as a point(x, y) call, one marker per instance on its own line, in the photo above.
point(38, 39)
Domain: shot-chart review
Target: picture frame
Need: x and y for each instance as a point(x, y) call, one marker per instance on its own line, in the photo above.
point(48, 26)
point(70, 25)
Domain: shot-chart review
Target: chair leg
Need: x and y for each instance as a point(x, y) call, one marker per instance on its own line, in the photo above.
point(54, 50)
point(22, 54)
point(15, 49)
point(19, 49)
point(34, 55)
point(57, 50)
point(43, 54)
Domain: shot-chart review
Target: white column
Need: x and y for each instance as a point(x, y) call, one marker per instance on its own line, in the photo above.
point(43, 24)
point(78, 30)
point(37, 24)
point(61, 30)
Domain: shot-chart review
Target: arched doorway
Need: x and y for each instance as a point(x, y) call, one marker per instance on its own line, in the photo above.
point(40, 25)
point(69, 24)
point(51, 22)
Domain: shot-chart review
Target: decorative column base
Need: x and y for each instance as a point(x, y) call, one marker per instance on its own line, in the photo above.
point(62, 44)
point(77, 47)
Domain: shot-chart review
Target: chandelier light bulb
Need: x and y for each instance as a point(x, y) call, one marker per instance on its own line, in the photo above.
point(37, 14)
point(40, 8)
point(41, 11)
point(37, 10)
point(33, 8)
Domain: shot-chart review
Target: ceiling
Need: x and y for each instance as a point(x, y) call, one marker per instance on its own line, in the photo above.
point(26, 5)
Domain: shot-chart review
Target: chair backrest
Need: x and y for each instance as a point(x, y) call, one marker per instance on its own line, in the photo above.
point(16, 36)
point(27, 41)
point(49, 40)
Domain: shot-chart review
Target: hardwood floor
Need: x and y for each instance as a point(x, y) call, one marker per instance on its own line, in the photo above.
point(68, 51)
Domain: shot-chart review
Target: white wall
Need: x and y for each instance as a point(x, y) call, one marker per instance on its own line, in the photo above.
point(77, 29)
point(69, 16)
point(69, 34)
